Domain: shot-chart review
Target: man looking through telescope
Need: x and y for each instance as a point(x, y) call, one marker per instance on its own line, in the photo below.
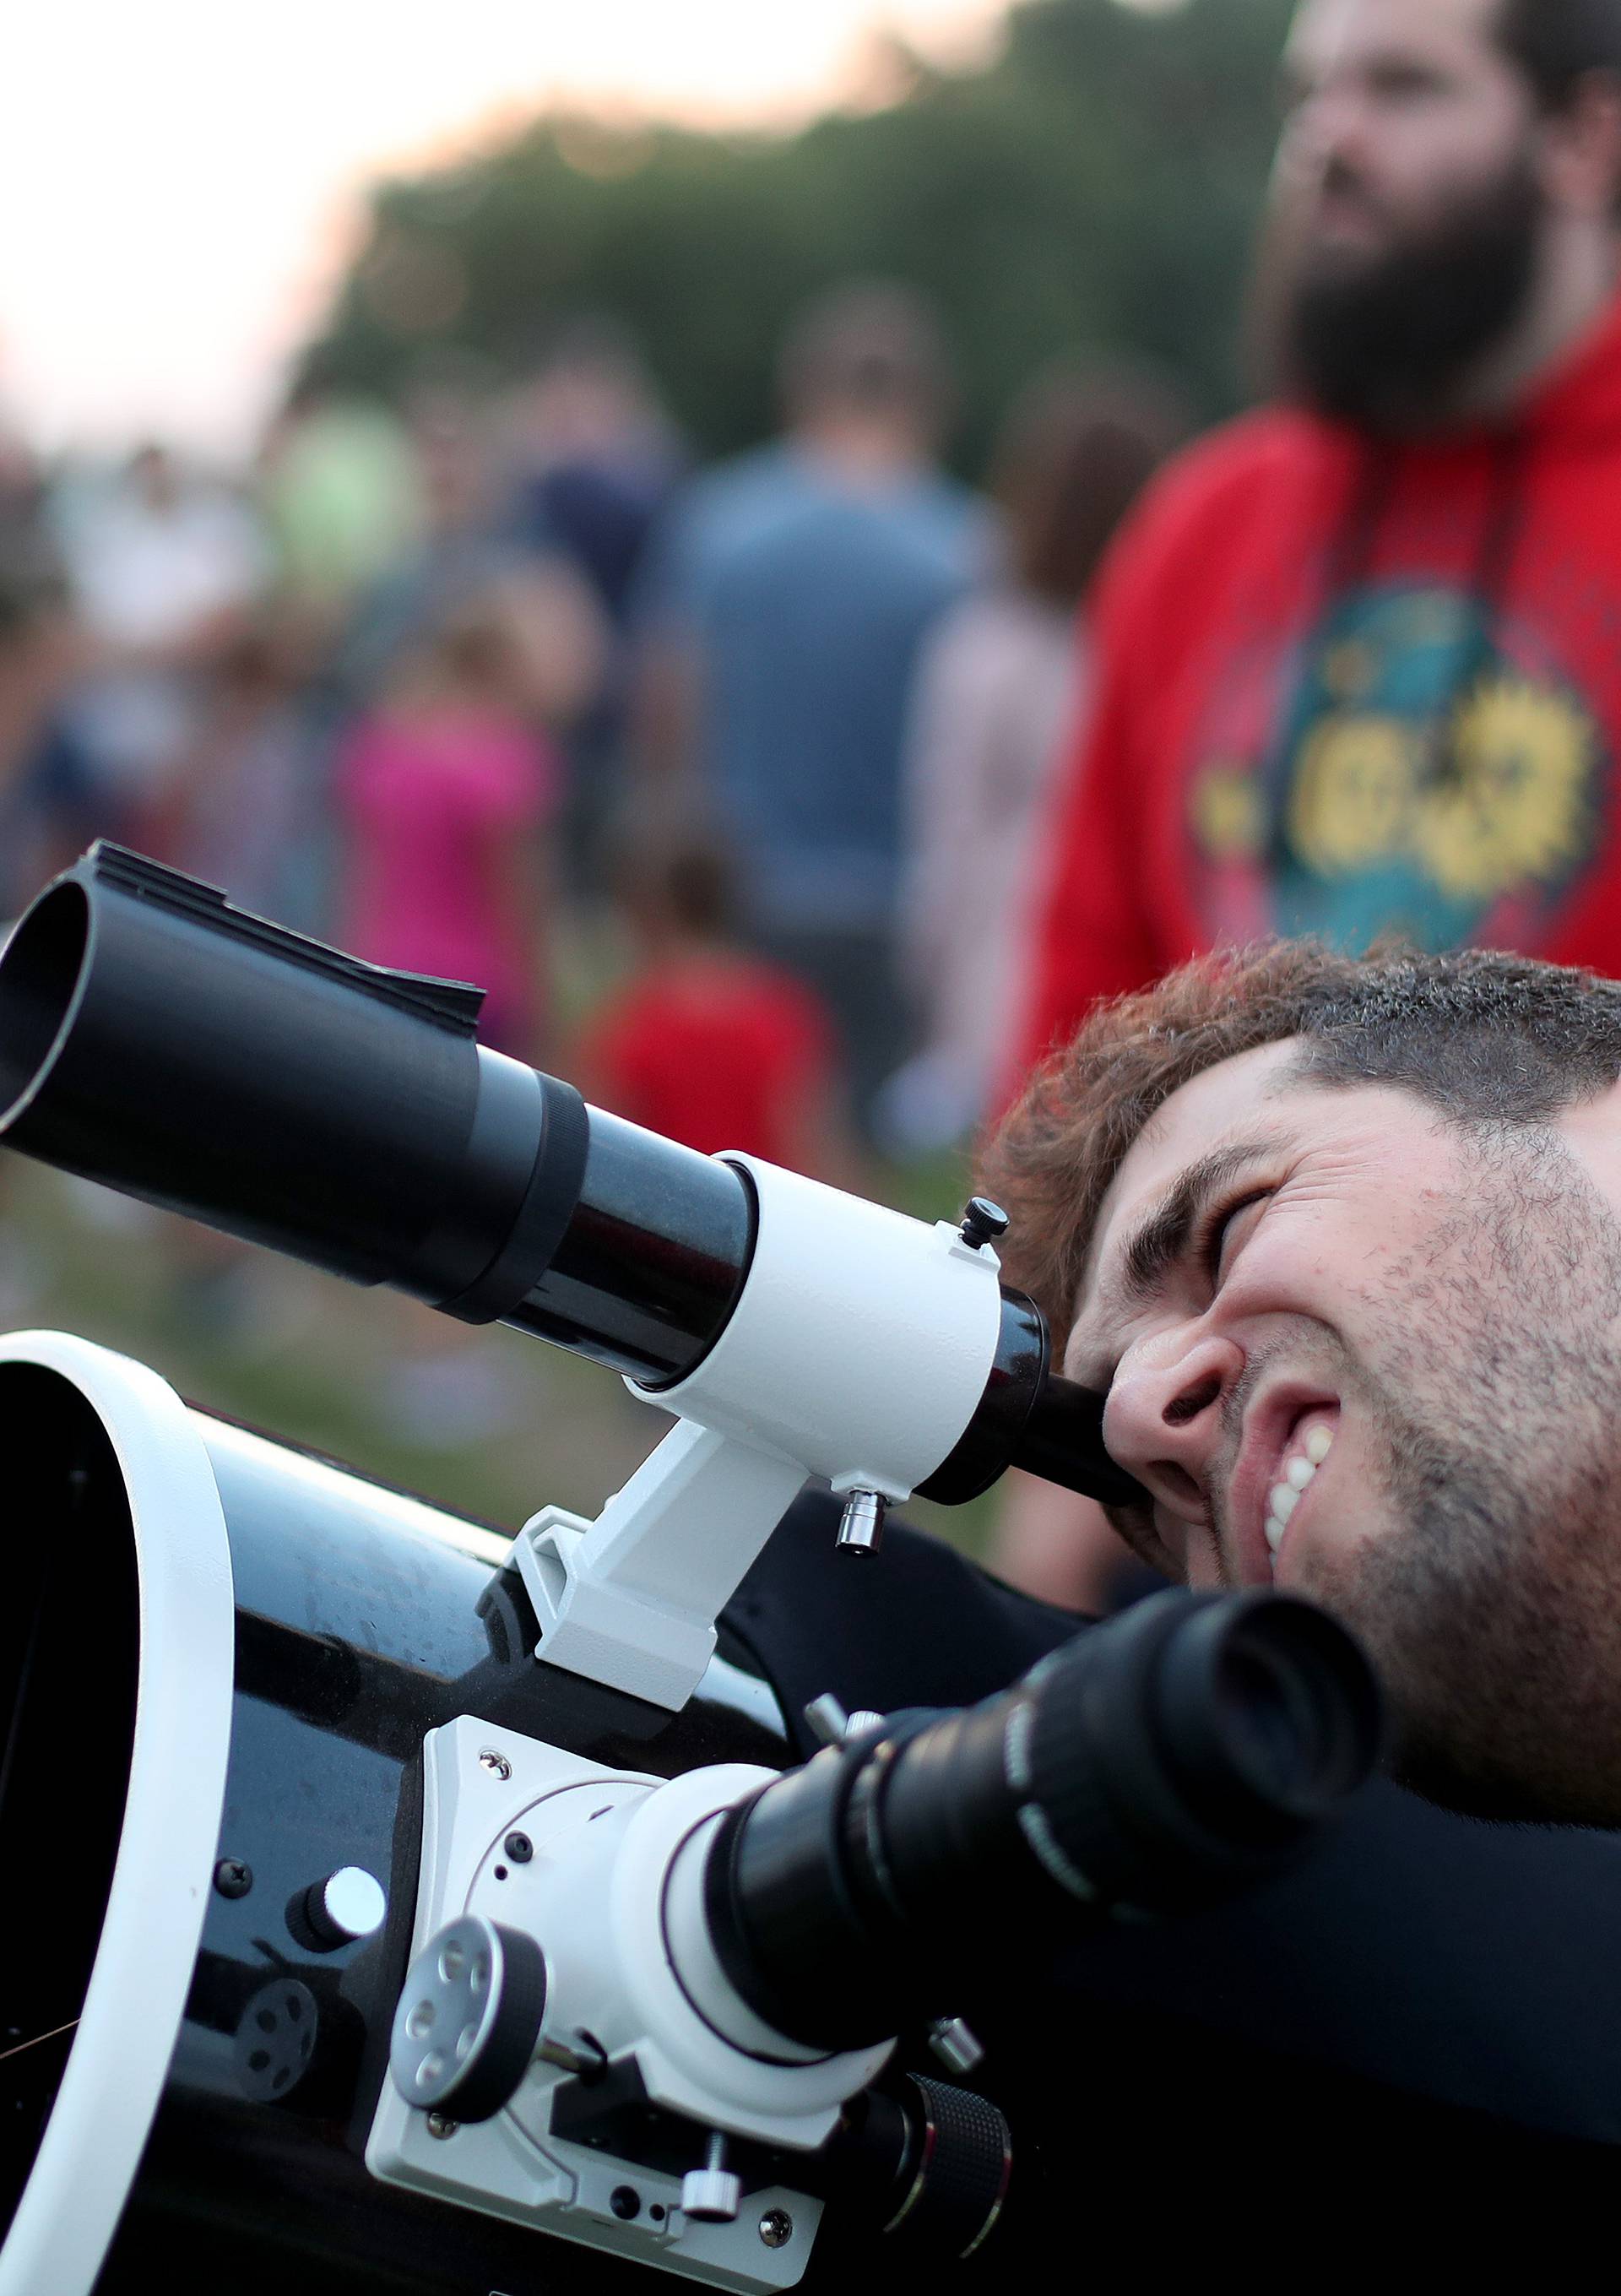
point(1342, 1239)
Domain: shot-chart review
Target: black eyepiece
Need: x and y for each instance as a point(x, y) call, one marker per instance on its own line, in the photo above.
point(1155, 1765)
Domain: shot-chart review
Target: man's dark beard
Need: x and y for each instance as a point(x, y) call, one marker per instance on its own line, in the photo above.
point(1494, 1611)
point(1386, 344)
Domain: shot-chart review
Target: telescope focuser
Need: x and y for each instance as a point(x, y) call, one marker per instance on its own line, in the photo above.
point(691, 1990)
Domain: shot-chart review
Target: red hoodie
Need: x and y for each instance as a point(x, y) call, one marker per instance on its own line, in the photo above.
point(1347, 687)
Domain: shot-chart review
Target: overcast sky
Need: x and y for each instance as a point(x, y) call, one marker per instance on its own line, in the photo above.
point(181, 180)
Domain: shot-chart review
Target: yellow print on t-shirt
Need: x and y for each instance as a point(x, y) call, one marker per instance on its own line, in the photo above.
point(1505, 803)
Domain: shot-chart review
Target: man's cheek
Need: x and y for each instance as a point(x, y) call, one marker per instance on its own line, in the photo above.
point(1163, 1547)
point(1203, 1569)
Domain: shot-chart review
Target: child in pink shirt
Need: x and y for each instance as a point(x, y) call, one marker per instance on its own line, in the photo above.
point(446, 793)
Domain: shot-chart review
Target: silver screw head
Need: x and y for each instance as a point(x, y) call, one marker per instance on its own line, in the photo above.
point(956, 2044)
point(440, 2124)
point(860, 1527)
point(776, 2227)
point(827, 1717)
point(495, 1763)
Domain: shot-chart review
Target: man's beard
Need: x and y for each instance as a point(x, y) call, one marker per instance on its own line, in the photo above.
point(1386, 343)
point(1490, 1601)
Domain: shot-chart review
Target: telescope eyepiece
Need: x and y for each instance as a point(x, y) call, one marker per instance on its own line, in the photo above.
point(1155, 1765)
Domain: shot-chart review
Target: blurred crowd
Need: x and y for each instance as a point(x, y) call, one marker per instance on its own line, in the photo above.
point(723, 784)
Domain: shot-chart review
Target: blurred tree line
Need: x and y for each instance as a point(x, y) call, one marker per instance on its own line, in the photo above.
point(1096, 186)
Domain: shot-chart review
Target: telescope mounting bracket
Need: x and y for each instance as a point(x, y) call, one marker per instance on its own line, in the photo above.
point(818, 1371)
point(632, 1599)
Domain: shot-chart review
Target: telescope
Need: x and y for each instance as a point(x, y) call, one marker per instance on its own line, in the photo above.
point(451, 1911)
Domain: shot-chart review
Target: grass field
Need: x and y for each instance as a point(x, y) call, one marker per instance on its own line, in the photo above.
point(486, 1423)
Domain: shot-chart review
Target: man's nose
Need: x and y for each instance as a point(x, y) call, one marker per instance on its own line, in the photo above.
point(1163, 1420)
point(1326, 140)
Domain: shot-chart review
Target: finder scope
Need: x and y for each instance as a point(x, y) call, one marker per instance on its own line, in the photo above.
point(158, 1040)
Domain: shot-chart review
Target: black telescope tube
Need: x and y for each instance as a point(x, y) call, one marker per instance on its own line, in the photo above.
point(1030, 1416)
point(1153, 1766)
point(158, 1040)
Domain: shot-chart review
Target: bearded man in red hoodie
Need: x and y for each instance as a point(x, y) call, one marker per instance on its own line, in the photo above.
point(1361, 652)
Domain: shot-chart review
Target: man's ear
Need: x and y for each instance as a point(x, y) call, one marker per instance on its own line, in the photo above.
point(1581, 165)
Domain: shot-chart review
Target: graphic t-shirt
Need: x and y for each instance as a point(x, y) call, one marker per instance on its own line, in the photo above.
point(1348, 689)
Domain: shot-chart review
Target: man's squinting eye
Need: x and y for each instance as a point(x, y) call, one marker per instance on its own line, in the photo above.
point(1221, 1230)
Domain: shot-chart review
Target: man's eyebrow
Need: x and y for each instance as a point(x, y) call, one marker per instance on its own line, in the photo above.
point(1160, 1241)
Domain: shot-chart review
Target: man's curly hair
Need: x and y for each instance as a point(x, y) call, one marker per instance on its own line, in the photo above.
point(1482, 1038)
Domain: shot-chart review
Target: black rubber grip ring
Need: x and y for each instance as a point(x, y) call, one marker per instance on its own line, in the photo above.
point(550, 1202)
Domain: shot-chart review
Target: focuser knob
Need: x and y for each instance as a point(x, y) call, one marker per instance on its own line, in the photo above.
point(467, 2023)
point(346, 1906)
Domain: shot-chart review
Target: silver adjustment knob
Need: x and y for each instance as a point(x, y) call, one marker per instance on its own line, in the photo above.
point(861, 1529)
point(958, 2048)
point(348, 1905)
point(712, 2195)
point(468, 2021)
point(832, 1725)
point(827, 1717)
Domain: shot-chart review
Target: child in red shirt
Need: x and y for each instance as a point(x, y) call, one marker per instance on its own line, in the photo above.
point(705, 1043)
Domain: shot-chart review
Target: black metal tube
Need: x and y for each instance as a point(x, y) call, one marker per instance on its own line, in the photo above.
point(156, 1040)
point(1029, 1416)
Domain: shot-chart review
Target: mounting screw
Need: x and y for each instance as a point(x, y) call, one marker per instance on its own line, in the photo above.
point(982, 1223)
point(440, 2124)
point(713, 2194)
point(519, 1848)
point(860, 1527)
point(776, 2227)
point(625, 2202)
point(828, 1720)
point(957, 2046)
point(232, 1878)
point(827, 1717)
point(495, 1763)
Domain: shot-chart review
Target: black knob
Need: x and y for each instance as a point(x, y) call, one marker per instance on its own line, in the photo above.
point(983, 1222)
point(923, 2160)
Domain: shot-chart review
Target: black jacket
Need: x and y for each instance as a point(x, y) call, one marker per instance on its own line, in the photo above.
point(1410, 2039)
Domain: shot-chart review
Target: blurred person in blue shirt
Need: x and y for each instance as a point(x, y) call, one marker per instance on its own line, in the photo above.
point(594, 460)
point(788, 600)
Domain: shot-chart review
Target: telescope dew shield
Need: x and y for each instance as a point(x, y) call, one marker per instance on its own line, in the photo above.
point(158, 1040)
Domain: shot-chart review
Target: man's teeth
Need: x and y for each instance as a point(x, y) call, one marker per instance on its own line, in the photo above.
point(1296, 1479)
